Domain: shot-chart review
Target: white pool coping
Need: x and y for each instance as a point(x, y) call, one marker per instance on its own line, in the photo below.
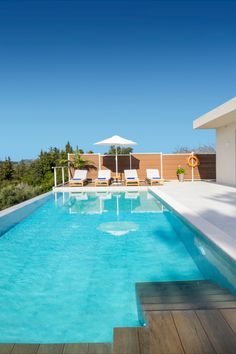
point(23, 204)
point(101, 189)
point(12, 216)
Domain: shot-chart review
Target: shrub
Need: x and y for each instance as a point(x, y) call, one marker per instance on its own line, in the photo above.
point(11, 194)
point(180, 170)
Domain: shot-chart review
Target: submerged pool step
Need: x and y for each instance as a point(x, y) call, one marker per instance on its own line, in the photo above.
point(183, 295)
point(176, 282)
point(188, 298)
point(189, 306)
point(179, 292)
point(193, 284)
point(178, 288)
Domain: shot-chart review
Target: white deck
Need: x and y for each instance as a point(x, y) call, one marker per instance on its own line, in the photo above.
point(208, 206)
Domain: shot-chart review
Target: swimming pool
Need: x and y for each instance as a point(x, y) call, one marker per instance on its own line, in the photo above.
point(68, 270)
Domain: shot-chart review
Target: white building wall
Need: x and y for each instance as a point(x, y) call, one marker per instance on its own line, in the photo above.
point(226, 154)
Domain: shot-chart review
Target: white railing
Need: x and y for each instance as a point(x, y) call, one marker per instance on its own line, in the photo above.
point(62, 168)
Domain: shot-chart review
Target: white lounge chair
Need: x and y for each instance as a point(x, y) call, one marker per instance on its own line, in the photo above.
point(131, 177)
point(153, 177)
point(104, 195)
point(131, 195)
point(79, 178)
point(79, 196)
point(104, 178)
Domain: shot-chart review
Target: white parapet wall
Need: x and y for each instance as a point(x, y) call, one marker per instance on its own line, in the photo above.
point(11, 216)
point(223, 119)
point(226, 154)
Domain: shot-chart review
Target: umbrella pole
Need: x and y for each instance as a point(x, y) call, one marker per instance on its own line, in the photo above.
point(116, 164)
point(117, 206)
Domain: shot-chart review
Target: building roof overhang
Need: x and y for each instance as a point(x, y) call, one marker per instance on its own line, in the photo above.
point(218, 117)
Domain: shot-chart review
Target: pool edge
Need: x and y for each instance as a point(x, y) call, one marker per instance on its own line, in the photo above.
point(220, 238)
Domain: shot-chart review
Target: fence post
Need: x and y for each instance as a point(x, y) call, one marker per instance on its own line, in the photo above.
point(161, 164)
point(55, 176)
point(63, 175)
point(192, 170)
point(99, 161)
point(68, 158)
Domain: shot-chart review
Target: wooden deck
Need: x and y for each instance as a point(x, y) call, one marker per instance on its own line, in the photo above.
point(193, 317)
point(84, 348)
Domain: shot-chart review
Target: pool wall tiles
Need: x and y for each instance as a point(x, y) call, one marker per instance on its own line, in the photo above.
point(12, 216)
point(212, 262)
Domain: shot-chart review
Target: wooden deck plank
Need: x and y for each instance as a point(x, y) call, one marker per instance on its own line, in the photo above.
point(100, 348)
point(161, 336)
point(201, 298)
point(126, 341)
point(189, 306)
point(81, 348)
point(50, 349)
point(6, 348)
point(144, 341)
point(193, 337)
point(25, 349)
point(218, 331)
point(230, 317)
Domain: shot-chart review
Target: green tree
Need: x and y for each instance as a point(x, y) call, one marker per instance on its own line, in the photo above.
point(81, 151)
point(68, 148)
point(21, 169)
point(80, 163)
point(27, 178)
point(6, 170)
point(204, 149)
point(120, 150)
point(40, 172)
point(182, 150)
point(11, 195)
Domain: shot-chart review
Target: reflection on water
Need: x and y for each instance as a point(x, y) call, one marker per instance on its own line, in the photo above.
point(101, 202)
point(210, 260)
point(118, 204)
point(118, 228)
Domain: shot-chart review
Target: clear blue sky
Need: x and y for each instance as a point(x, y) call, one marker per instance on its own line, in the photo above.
point(85, 70)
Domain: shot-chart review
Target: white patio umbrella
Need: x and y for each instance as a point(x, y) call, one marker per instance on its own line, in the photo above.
point(116, 141)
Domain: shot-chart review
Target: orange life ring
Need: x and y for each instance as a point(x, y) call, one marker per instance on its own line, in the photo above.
point(193, 161)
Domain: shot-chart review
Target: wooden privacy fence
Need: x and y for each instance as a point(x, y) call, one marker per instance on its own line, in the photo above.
point(166, 163)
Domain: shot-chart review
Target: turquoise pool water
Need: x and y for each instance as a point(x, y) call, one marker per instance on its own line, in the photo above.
point(68, 270)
